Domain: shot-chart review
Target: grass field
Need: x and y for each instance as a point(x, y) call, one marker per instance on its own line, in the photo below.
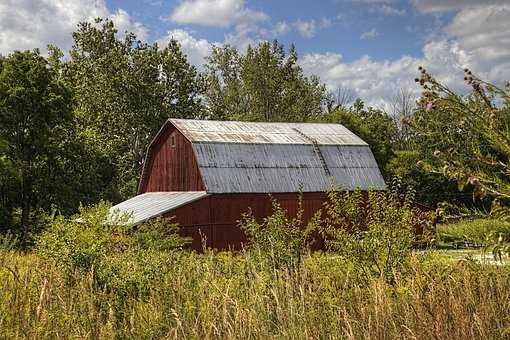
point(92, 283)
point(227, 296)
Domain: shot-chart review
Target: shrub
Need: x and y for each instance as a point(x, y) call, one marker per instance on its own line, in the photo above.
point(122, 257)
point(375, 231)
point(281, 239)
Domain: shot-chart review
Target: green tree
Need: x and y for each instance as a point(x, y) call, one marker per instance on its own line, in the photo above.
point(124, 90)
point(264, 84)
point(35, 108)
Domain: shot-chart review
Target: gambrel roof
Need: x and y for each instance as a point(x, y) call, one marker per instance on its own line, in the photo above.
point(254, 157)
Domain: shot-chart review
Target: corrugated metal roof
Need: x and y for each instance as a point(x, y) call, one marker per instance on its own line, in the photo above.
point(152, 204)
point(265, 133)
point(254, 168)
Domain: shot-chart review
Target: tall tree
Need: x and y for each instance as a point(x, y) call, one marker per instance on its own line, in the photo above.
point(264, 84)
point(35, 108)
point(124, 90)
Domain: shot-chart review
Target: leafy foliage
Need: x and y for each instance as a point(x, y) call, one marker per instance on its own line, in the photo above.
point(469, 135)
point(280, 238)
point(86, 242)
point(265, 84)
point(125, 90)
point(35, 113)
point(375, 231)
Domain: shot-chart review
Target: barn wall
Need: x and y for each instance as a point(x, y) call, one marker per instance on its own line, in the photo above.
point(172, 168)
point(214, 219)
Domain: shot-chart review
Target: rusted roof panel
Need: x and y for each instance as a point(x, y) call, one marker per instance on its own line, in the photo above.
point(208, 131)
point(258, 168)
point(152, 204)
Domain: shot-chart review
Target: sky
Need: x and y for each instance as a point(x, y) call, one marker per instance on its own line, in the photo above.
point(371, 47)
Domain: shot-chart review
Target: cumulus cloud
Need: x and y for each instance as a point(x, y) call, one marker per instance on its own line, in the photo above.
point(27, 24)
point(217, 13)
point(196, 49)
point(369, 34)
point(477, 37)
point(484, 33)
point(377, 81)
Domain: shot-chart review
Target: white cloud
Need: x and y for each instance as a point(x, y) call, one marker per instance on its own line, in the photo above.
point(29, 24)
point(369, 34)
point(308, 29)
point(431, 6)
point(281, 28)
point(243, 35)
point(477, 37)
point(484, 34)
point(390, 10)
point(217, 13)
point(377, 81)
point(124, 23)
point(196, 49)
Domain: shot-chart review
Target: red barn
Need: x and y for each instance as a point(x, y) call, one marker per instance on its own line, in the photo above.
point(208, 173)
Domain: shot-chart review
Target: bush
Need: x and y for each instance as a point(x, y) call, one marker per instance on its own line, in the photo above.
point(281, 239)
point(374, 231)
point(123, 257)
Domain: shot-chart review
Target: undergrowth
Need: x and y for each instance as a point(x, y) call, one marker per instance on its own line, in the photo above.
point(88, 279)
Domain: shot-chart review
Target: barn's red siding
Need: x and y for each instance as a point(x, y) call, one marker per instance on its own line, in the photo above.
point(213, 220)
point(172, 167)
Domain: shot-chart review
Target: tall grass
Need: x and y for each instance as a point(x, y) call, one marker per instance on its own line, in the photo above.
point(88, 280)
point(236, 297)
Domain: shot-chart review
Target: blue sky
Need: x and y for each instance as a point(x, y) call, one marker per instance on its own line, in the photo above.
point(372, 47)
point(339, 24)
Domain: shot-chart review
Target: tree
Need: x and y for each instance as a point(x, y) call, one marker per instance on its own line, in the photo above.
point(403, 106)
point(124, 91)
point(35, 107)
point(469, 136)
point(264, 84)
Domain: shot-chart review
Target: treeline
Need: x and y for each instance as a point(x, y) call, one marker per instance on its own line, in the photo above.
point(74, 128)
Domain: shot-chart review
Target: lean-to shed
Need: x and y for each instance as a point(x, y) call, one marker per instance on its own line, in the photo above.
point(208, 173)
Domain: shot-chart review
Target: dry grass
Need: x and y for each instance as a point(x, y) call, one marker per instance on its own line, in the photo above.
point(225, 296)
